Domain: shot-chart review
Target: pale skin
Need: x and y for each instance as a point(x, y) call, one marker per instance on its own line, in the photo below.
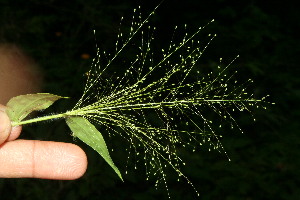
point(37, 159)
point(32, 158)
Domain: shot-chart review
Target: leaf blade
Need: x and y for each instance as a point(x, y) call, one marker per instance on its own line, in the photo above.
point(88, 133)
point(21, 106)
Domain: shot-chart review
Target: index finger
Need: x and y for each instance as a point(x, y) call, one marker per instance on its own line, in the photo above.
point(41, 159)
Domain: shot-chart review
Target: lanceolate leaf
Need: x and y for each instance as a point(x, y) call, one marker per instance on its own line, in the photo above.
point(20, 106)
point(87, 132)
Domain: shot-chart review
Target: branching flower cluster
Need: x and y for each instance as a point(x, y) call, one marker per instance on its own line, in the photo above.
point(160, 104)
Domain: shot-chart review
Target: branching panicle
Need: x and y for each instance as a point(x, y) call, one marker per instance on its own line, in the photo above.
point(133, 101)
point(158, 105)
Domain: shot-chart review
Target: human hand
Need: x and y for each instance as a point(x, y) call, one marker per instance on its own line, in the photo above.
point(37, 159)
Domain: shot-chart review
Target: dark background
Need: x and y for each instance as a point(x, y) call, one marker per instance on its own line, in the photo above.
point(265, 159)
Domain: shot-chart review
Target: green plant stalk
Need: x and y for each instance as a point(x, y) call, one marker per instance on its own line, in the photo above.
point(38, 119)
point(78, 112)
point(49, 117)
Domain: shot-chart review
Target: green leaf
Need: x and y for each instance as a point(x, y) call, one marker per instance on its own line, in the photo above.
point(88, 133)
point(20, 106)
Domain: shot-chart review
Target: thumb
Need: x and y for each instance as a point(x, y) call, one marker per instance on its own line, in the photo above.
point(5, 126)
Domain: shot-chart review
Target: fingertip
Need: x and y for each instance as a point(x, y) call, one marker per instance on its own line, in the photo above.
point(76, 160)
point(5, 126)
point(62, 161)
point(15, 133)
point(7, 133)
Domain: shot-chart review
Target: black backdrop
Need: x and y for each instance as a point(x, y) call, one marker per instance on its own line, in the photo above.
point(265, 160)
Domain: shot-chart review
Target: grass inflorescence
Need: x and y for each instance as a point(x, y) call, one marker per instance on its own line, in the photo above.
point(160, 103)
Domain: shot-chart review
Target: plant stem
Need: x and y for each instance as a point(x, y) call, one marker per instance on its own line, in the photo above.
point(29, 121)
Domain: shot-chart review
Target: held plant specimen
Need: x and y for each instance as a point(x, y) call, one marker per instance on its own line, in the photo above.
point(158, 105)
